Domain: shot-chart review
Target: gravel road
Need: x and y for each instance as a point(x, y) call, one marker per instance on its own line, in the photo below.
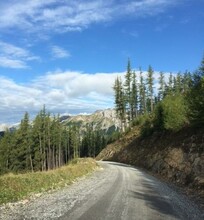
point(115, 191)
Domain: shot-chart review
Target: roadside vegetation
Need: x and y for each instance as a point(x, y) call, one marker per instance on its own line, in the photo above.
point(45, 144)
point(14, 187)
point(171, 103)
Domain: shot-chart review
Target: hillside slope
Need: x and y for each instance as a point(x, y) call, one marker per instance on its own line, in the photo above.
point(177, 157)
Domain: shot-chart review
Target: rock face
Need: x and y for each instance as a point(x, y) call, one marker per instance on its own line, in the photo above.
point(104, 119)
point(177, 157)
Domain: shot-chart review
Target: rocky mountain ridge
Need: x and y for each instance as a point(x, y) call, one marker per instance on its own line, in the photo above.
point(105, 120)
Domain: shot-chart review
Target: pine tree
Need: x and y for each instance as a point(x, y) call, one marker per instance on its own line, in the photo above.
point(142, 95)
point(65, 144)
point(134, 97)
point(75, 141)
point(175, 86)
point(179, 79)
point(117, 88)
point(161, 86)
point(40, 139)
point(127, 90)
point(173, 112)
point(7, 157)
point(201, 68)
point(196, 97)
point(120, 102)
point(177, 83)
point(149, 80)
point(170, 83)
point(48, 142)
point(37, 143)
point(186, 82)
point(23, 151)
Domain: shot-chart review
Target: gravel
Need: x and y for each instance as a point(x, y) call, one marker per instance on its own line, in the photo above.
point(133, 190)
point(52, 205)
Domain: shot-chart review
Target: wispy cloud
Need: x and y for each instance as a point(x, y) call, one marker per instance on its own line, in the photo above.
point(59, 52)
point(73, 15)
point(148, 7)
point(12, 63)
point(14, 57)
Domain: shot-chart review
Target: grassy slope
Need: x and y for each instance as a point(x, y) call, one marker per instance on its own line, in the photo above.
point(21, 186)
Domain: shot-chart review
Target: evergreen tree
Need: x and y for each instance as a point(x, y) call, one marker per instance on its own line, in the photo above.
point(170, 83)
point(174, 112)
point(127, 90)
point(75, 141)
point(196, 97)
point(186, 82)
point(7, 144)
point(175, 86)
point(161, 89)
point(37, 143)
point(171, 113)
point(150, 88)
point(177, 83)
point(179, 80)
point(22, 151)
point(120, 102)
point(65, 144)
point(142, 95)
point(134, 97)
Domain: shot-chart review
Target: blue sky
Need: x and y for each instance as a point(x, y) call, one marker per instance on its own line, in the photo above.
point(66, 54)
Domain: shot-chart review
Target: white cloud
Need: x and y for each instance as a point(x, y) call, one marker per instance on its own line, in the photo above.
point(58, 52)
point(61, 92)
point(72, 15)
point(77, 84)
point(14, 57)
point(67, 91)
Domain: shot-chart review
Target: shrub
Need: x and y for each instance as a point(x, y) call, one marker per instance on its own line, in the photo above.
point(173, 112)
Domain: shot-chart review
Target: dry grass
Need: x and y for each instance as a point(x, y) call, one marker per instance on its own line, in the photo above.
point(16, 187)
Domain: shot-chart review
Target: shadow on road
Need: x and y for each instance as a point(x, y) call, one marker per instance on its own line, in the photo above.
point(154, 200)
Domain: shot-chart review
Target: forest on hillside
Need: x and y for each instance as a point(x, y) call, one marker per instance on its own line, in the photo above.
point(45, 143)
point(178, 101)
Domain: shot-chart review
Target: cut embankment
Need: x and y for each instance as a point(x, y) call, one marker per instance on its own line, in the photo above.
point(17, 187)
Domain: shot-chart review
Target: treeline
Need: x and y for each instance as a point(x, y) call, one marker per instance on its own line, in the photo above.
point(169, 103)
point(46, 144)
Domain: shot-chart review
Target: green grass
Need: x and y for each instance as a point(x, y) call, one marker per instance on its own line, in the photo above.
point(15, 187)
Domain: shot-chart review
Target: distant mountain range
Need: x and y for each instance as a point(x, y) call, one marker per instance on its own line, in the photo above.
point(105, 120)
